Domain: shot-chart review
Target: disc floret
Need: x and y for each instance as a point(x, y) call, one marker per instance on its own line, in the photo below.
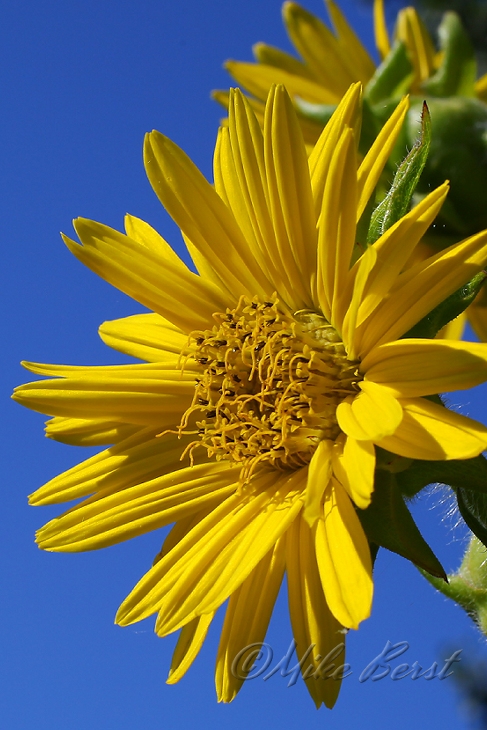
point(270, 385)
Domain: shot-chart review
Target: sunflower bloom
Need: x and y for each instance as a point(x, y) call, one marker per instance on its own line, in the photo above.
point(330, 60)
point(271, 376)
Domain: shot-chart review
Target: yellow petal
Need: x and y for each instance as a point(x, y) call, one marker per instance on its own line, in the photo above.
point(112, 466)
point(153, 279)
point(88, 432)
point(319, 49)
point(140, 394)
point(374, 161)
point(353, 52)
point(416, 367)
point(395, 247)
point(202, 216)
point(246, 620)
point(419, 289)
point(320, 646)
point(114, 516)
point(343, 558)
point(148, 337)
point(318, 477)
point(189, 644)
point(354, 467)
point(290, 197)
point(336, 237)
point(258, 78)
point(431, 432)
point(380, 28)
point(347, 114)
point(373, 414)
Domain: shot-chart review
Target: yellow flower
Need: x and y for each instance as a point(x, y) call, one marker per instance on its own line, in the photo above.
point(271, 376)
point(330, 61)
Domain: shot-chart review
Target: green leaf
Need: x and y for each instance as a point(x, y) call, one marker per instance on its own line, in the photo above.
point(470, 474)
point(473, 508)
point(397, 200)
point(458, 71)
point(387, 522)
point(392, 78)
point(445, 312)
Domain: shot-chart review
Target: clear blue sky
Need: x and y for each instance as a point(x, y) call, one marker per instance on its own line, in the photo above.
point(81, 83)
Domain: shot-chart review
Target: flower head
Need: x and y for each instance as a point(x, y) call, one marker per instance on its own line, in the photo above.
point(329, 61)
point(271, 376)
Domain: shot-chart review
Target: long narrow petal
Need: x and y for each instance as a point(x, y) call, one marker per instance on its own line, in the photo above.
point(374, 161)
point(148, 337)
point(317, 633)
point(154, 280)
point(202, 215)
point(319, 48)
point(319, 474)
point(431, 432)
point(218, 553)
point(353, 52)
point(421, 288)
point(380, 29)
point(139, 457)
point(88, 431)
point(258, 78)
point(337, 225)
point(395, 247)
point(241, 180)
point(213, 572)
point(189, 644)
point(246, 620)
point(135, 396)
point(109, 518)
point(344, 559)
point(290, 195)
point(347, 114)
point(416, 367)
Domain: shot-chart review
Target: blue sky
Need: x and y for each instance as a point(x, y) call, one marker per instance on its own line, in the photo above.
point(81, 84)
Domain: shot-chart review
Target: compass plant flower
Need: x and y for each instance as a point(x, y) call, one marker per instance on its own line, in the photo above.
point(329, 60)
point(270, 379)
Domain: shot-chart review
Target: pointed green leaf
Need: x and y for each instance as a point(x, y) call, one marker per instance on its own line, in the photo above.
point(473, 508)
point(465, 473)
point(458, 71)
point(387, 522)
point(445, 312)
point(397, 200)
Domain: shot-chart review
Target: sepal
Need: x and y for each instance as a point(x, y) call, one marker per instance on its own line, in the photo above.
point(469, 474)
point(392, 78)
point(448, 310)
point(458, 70)
point(388, 523)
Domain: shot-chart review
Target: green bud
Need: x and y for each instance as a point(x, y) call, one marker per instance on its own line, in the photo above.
point(458, 152)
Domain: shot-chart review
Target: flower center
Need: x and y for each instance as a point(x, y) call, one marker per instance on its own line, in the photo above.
point(270, 385)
